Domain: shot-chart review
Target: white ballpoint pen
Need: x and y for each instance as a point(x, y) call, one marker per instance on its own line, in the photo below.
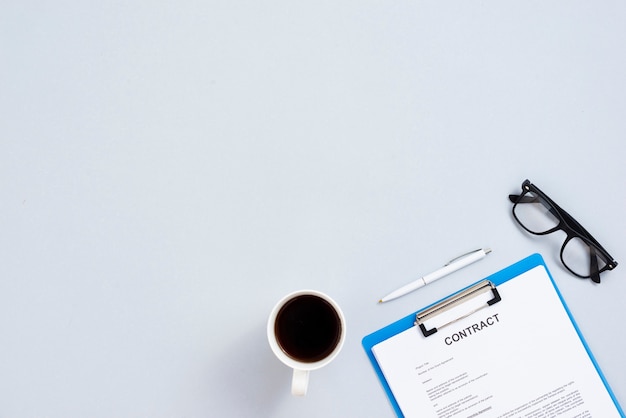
point(452, 266)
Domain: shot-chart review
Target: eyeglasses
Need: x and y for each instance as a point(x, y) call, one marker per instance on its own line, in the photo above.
point(581, 254)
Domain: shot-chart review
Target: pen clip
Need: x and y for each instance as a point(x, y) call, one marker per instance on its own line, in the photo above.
point(461, 256)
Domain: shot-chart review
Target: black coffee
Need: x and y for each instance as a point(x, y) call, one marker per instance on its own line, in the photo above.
point(307, 328)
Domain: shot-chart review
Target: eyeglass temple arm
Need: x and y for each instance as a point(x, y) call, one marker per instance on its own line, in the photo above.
point(516, 198)
point(575, 225)
point(594, 270)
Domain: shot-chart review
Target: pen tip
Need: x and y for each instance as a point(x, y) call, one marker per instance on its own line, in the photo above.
point(380, 301)
point(487, 250)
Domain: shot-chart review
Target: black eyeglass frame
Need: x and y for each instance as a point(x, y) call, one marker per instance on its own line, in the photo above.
point(571, 227)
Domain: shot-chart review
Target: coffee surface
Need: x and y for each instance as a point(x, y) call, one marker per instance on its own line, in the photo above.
point(307, 328)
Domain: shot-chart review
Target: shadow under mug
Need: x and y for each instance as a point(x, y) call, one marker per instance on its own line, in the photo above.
point(306, 330)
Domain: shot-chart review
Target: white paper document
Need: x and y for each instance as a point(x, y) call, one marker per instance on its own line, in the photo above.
point(520, 357)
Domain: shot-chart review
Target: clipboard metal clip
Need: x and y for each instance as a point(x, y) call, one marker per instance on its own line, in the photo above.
point(454, 301)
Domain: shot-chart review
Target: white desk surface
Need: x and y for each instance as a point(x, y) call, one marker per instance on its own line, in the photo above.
point(169, 170)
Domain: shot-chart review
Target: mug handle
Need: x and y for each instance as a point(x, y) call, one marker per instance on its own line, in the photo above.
point(299, 382)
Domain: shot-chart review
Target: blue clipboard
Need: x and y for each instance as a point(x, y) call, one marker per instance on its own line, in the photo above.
point(496, 279)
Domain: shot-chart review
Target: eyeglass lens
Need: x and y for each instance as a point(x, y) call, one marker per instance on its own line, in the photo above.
point(577, 256)
point(535, 214)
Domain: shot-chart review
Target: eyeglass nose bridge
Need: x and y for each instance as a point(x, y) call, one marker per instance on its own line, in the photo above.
point(560, 226)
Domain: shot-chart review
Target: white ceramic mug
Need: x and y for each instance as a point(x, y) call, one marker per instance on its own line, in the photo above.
point(306, 330)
